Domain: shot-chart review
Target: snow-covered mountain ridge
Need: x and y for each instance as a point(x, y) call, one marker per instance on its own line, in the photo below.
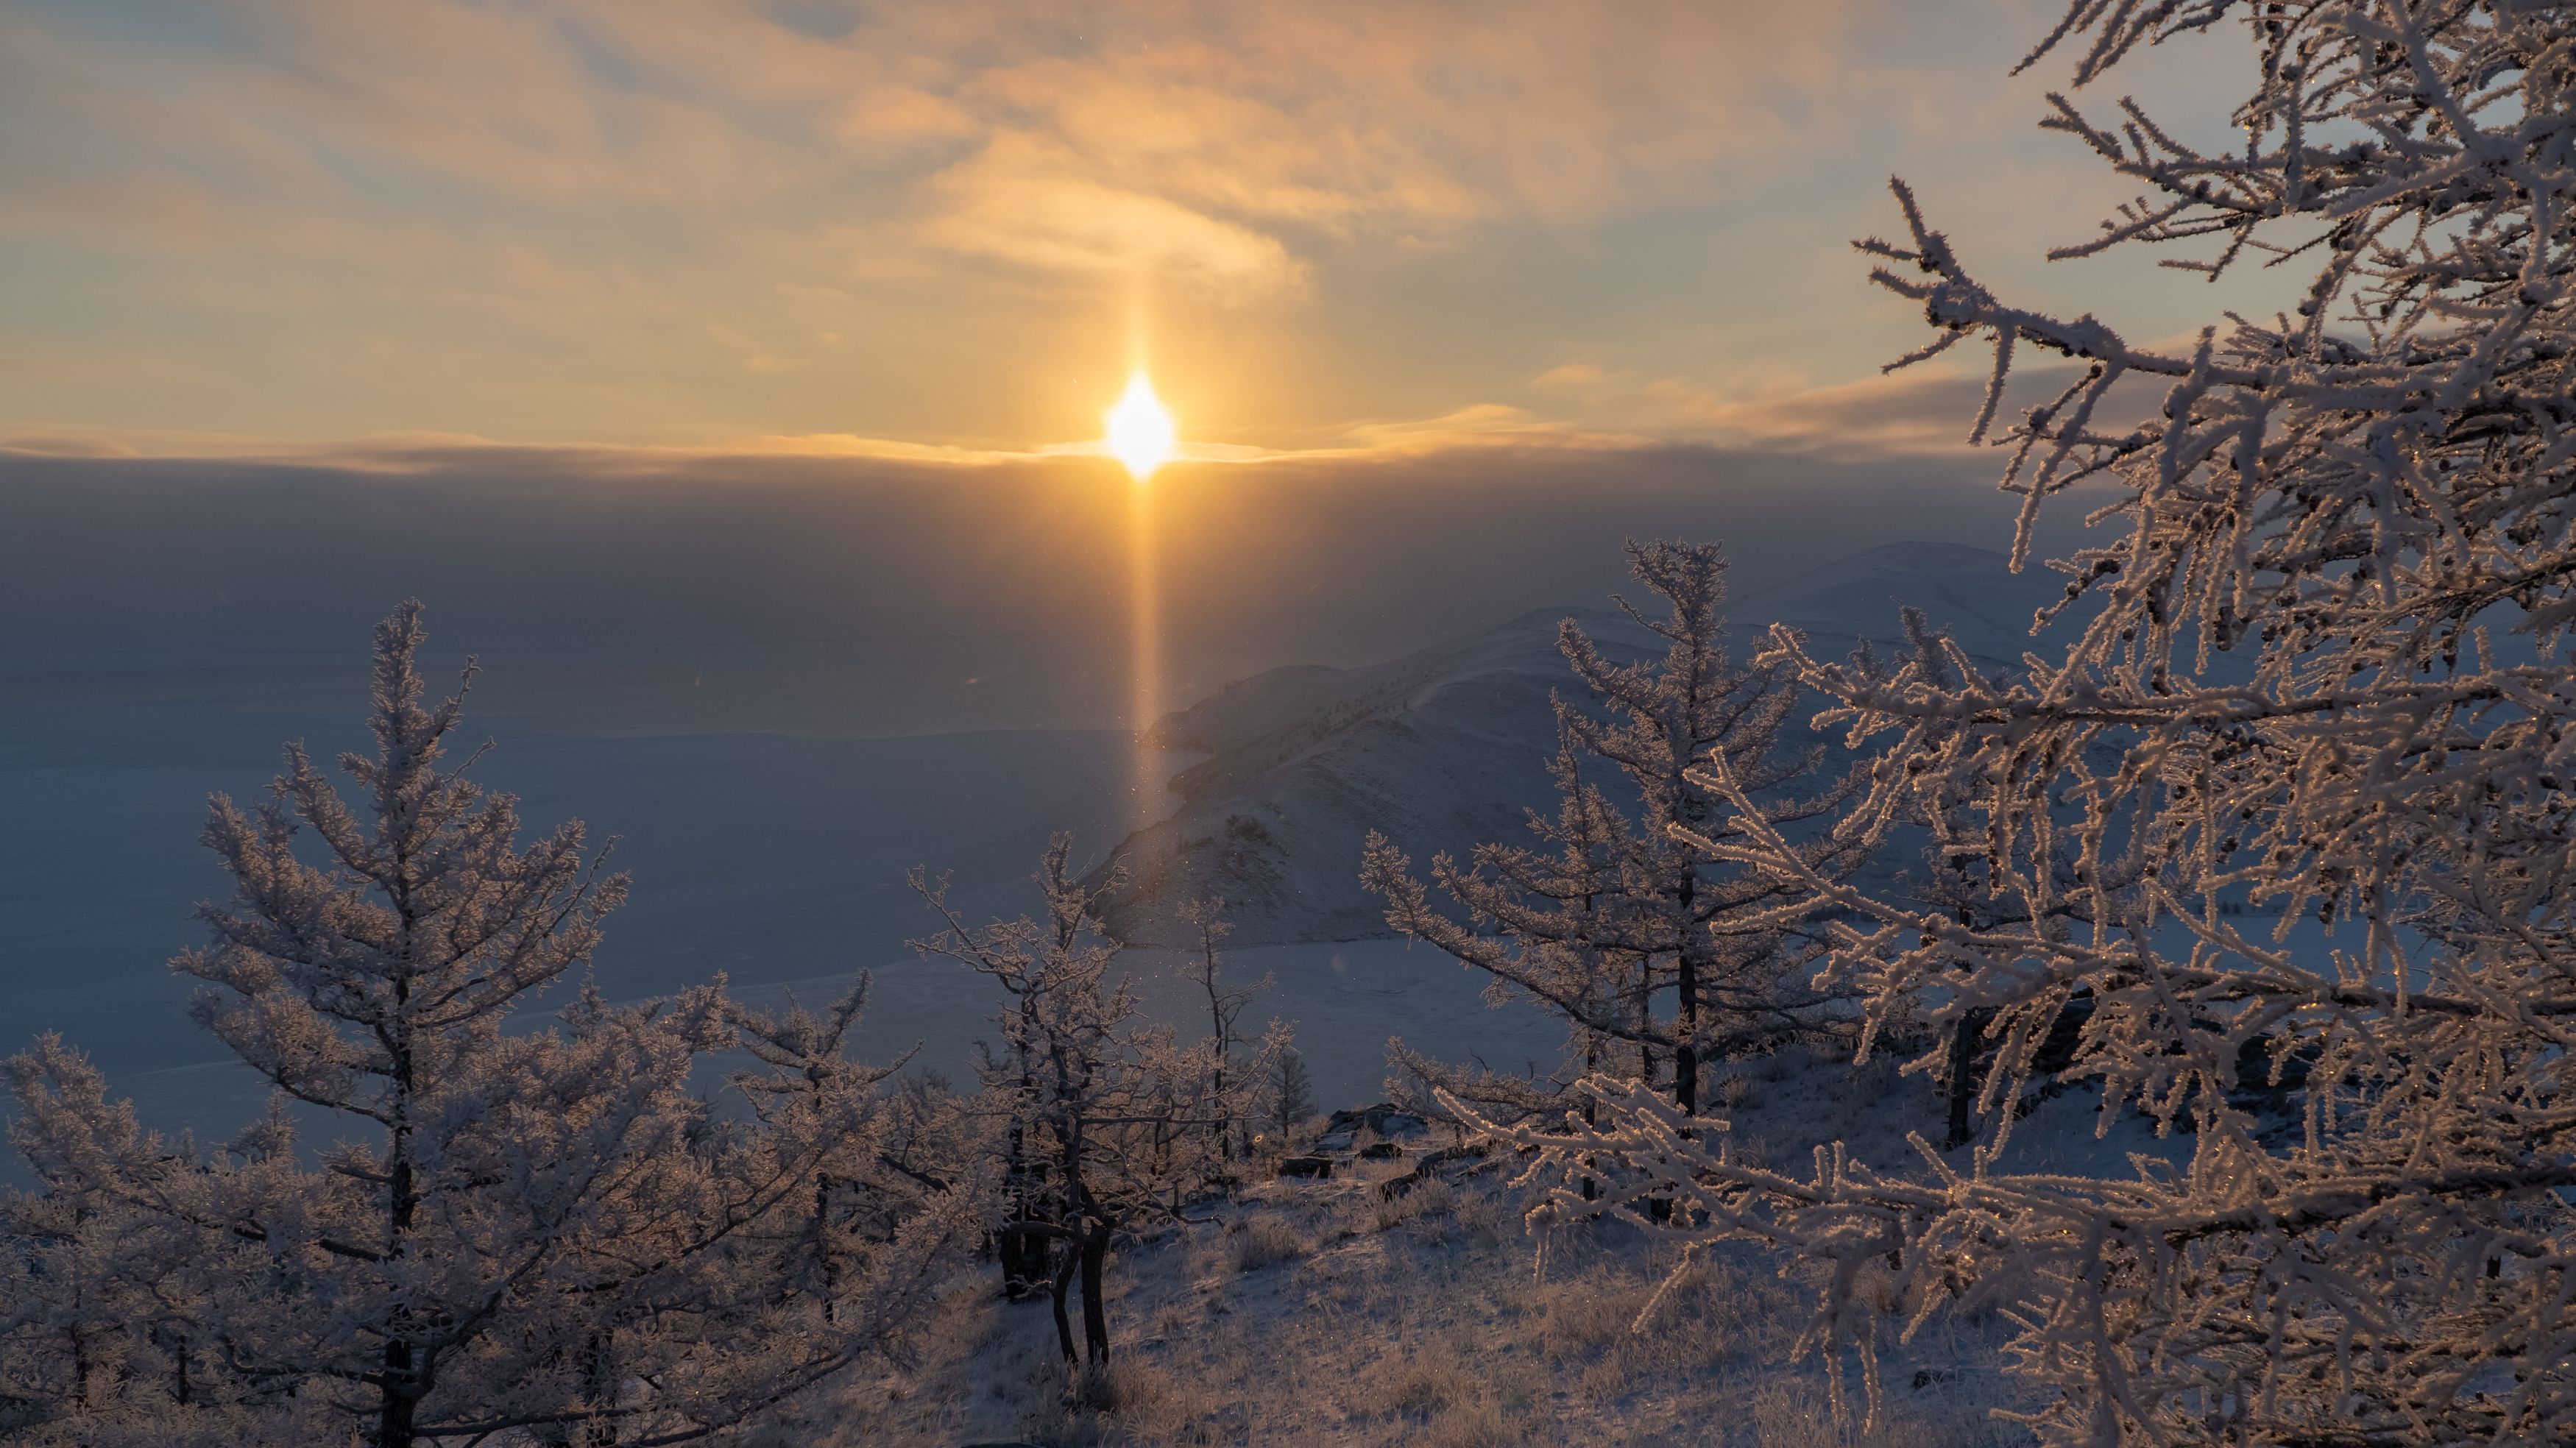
point(1445, 747)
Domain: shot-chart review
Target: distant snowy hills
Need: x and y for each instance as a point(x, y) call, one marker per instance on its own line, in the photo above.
point(1445, 747)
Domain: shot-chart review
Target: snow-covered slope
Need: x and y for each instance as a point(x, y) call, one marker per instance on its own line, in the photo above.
point(1445, 747)
point(1339, 1312)
point(1972, 592)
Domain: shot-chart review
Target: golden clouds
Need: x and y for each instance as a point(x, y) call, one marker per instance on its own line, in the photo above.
point(1230, 145)
point(897, 120)
point(1018, 202)
point(1572, 376)
point(1221, 144)
point(680, 221)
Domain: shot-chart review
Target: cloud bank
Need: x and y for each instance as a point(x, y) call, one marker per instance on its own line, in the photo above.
point(1014, 575)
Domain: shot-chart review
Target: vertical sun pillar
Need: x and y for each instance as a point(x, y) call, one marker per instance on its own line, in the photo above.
point(1141, 436)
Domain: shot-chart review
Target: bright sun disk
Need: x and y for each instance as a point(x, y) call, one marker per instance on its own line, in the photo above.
point(1140, 431)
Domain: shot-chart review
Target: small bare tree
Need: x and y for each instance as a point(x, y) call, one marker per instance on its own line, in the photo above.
point(1231, 1084)
point(1287, 1088)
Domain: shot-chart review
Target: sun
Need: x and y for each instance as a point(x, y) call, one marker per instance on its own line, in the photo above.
point(1140, 431)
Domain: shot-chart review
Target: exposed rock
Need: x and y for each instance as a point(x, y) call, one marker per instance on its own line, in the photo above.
point(1384, 1119)
point(1425, 1169)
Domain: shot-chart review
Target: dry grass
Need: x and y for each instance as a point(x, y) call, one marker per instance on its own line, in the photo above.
point(1320, 1313)
point(1151, 1404)
point(1784, 1418)
point(1481, 1426)
point(1369, 1212)
point(1417, 1386)
point(1260, 1242)
point(1586, 1317)
point(1781, 1415)
point(1416, 1335)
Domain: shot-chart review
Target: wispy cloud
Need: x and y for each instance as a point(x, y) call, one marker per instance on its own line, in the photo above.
point(1221, 141)
point(669, 220)
point(1917, 412)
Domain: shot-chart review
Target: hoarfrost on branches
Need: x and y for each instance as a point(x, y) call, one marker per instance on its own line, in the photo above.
point(1104, 1127)
point(2322, 689)
point(1285, 1105)
point(1232, 1087)
point(534, 1232)
point(1661, 958)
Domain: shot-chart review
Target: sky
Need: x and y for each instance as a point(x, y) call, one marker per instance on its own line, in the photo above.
point(732, 371)
point(357, 229)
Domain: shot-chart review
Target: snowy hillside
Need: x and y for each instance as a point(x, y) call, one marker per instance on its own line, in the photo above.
point(1445, 747)
point(1353, 1311)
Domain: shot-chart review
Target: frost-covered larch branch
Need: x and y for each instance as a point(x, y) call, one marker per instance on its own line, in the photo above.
point(2294, 808)
point(1655, 953)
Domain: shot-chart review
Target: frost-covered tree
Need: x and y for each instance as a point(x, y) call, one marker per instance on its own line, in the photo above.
point(542, 1232)
point(1105, 1123)
point(1287, 1088)
point(1957, 880)
point(103, 1337)
point(1234, 1072)
point(1616, 920)
point(2310, 757)
point(1571, 956)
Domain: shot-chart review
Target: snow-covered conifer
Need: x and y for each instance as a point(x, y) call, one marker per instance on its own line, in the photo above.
point(2310, 759)
point(106, 1310)
point(1656, 954)
point(533, 1231)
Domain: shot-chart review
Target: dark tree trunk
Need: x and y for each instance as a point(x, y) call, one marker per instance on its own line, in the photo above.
point(822, 1247)
point(1063, 1323)
point(400, 1393)
point(1591, 1062)
point(1964, 1045)
point(599, 1371)
point(1645, 1021)
point(1095, 1308)
point(1686, 1039)
point(1225, 1122)
point(1686, 973)
point(80, 1370)
point(1027, 1261)
point(1224, 1044)
point(1026, 1270)
point(394, 1422)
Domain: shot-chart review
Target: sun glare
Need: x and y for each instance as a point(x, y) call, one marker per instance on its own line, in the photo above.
point(1140, 431)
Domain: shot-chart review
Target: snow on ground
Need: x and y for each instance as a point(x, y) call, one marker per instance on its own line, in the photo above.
point(1320, 1312)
